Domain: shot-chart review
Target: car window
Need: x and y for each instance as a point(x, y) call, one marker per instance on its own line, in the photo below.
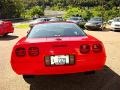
point(96, 19)
point(74, 18)
point(117, 19)
point(55, 29)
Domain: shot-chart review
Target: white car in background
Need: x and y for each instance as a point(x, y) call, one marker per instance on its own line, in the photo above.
point(110, 21)
point(45, 19)
point(115, 25)
point(56, 19)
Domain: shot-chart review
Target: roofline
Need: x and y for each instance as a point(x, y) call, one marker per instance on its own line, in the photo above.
point(52, 22)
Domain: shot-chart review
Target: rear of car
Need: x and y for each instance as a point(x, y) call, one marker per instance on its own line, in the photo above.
point(56, 19)
point(57, 48)
point(6, 27)
point(94, 24)
point(115, 25)
point(76, 20)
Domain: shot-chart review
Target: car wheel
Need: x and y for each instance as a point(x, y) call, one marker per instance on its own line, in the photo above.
point(29, 78)
point(5, 34)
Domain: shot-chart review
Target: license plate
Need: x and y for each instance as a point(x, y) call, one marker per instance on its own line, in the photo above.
point(59, 59)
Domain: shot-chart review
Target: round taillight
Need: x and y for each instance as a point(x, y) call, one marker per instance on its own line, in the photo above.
point(20, 52)
point(33, 51)
point(85, 48)
point(97, 48)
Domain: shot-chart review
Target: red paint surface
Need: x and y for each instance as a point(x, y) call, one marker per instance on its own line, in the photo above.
point(35, 65)
point(6, 27)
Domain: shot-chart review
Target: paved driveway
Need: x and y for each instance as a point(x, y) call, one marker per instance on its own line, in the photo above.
point(106, 79)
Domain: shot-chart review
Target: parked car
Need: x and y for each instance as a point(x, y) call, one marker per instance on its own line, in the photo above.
point(110, 21)
point(94, 23)
point(56, 19)
point(57, 48)
point(6, 27)
point(76, 20)
point(45, 19)
point(115, 25)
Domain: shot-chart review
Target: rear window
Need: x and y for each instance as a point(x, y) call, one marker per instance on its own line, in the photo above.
point(96, 19)
point(55, 30)
point(75, 18)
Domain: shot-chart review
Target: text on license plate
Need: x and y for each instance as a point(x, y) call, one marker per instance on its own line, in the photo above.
point(59, 59)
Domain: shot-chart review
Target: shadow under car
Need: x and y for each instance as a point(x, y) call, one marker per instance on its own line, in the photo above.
point(8, 37)
point(105, 79)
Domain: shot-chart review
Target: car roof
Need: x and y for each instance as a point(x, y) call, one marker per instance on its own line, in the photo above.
point(57, 22)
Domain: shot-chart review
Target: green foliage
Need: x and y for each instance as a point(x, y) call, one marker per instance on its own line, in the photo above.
point(73, 11)
point(97, 11)
point(87, 14)
point(10, 9)
point(85, 8)
point(92, 12)
point(110, 14)
point(22, 26)
point(36, 10)
point(57, 8)
point(26, 14)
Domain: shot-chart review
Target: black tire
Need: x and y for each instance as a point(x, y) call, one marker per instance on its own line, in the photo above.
point(29, 78)
point(90, 73)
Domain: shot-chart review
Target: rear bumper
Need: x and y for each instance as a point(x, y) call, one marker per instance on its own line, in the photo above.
point(38, 69)
point(93, 27)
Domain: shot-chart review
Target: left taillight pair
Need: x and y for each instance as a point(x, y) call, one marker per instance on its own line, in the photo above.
point(32, 51)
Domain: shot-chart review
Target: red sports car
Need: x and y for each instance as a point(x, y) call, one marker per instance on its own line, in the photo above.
point(6, 27)
point(57, 48)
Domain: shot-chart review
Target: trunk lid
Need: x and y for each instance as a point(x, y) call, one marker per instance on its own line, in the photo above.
point(58, 45)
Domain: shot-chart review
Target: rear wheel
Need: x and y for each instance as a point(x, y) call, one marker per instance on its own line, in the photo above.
point(5, 34)
point(29, 78)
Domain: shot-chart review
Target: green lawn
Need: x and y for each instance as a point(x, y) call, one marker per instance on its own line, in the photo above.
point(22, 26)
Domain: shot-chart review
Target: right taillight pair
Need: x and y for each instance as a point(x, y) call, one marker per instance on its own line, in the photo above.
point(85, 48)
point(32, 51)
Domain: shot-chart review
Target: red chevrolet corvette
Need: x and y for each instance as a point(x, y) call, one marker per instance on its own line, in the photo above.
point(57, 48)
point(6, 27)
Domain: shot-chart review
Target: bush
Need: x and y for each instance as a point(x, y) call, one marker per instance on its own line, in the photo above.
point(98, 11)
point(57, 8)
point(73, 11)
point(37, 10)
point(110, 14)
point(92, 12)
point(106, 14)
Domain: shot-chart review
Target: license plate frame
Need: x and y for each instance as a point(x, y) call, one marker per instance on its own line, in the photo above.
point(59, 60)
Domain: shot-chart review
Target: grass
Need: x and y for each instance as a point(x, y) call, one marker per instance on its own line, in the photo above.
point(22, 26)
